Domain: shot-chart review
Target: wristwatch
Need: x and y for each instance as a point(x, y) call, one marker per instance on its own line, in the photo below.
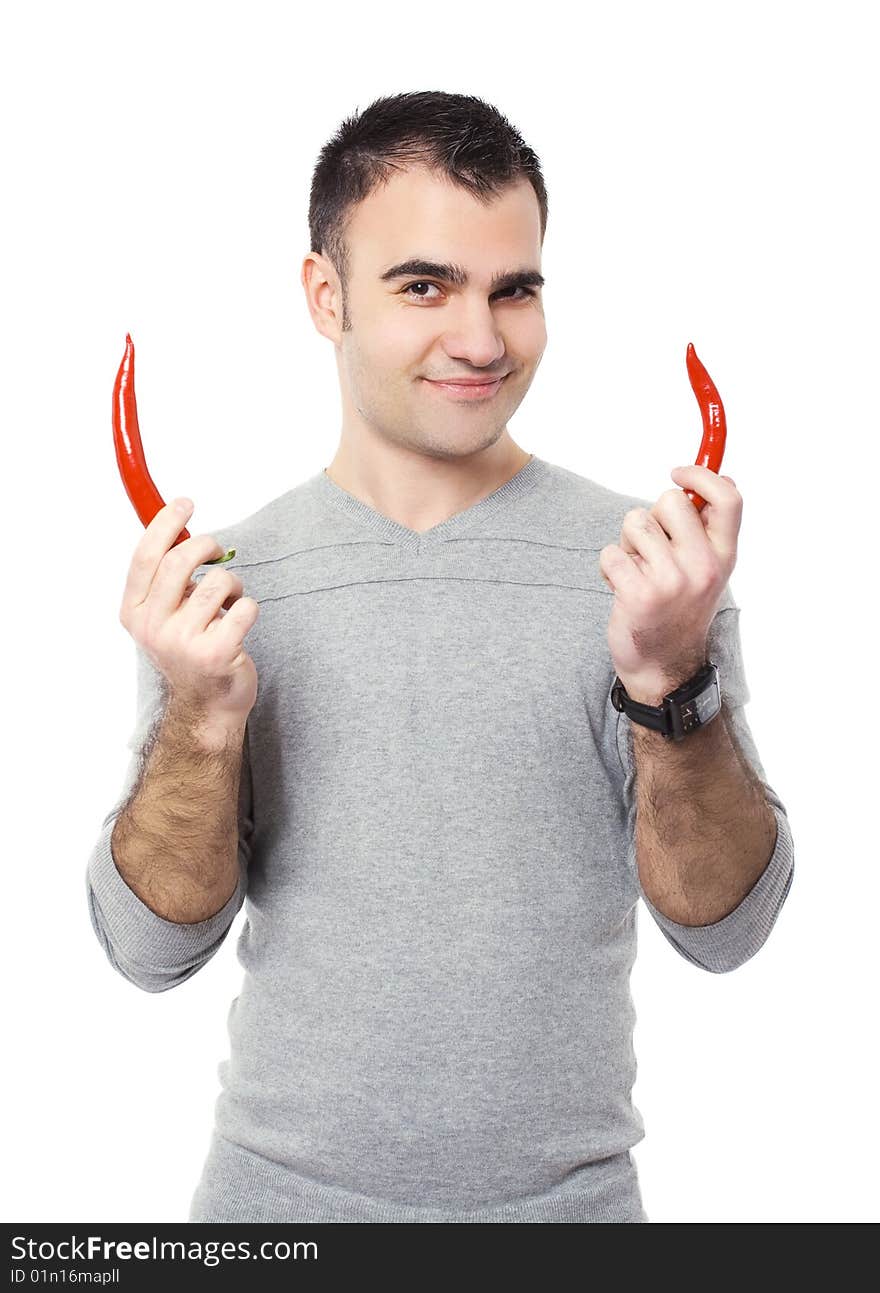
point(694, 704)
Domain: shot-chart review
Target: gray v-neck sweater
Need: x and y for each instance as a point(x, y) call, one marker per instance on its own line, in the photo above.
point(436, 845)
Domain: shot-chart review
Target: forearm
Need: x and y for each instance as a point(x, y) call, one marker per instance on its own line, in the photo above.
point(704, 829)
point(175, 843)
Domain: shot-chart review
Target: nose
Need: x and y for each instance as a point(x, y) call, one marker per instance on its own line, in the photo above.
point(474, 337)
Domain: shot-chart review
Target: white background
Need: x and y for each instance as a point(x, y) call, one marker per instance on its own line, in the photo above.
point(711, 172)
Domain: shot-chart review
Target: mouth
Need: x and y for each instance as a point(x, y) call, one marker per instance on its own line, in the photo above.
point(470, 390)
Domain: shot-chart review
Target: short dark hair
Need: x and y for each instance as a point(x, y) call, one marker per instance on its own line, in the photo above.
point(458, 135)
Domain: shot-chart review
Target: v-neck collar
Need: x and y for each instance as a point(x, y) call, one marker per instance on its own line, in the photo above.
point(394, 532)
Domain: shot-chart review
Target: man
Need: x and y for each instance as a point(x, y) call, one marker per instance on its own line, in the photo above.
point(444, 822)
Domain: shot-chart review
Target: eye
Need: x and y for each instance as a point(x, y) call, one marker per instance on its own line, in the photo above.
point(410, 286)
point(424, 283)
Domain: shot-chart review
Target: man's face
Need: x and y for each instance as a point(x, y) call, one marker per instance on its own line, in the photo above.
point(416, 327)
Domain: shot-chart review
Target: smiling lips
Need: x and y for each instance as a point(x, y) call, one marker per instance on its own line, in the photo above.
point(466, 381)
point(472, 389)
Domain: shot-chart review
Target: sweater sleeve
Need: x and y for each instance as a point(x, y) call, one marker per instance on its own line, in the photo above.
point(151, 952)
point(733, 940)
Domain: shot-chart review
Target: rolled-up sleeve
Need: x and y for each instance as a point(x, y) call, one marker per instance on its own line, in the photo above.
point(730, 942)
point(151, 952)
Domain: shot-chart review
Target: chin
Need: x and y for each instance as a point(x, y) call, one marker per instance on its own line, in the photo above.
point(465, 446)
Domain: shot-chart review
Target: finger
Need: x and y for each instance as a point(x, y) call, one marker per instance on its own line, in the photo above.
point(722, 515)
point(192, 586)
point(620, 571)
point(236, 623)
point(709, 483)
point(155, 541)
point(635, 556)
point(685, 525)
point(626, 546)
point(207, 597)
point(175, 569)
point(649, 539)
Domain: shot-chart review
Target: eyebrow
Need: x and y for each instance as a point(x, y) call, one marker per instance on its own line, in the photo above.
point(415, 267)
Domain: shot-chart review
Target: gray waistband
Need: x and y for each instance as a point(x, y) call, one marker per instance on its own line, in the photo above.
point(239, 1185)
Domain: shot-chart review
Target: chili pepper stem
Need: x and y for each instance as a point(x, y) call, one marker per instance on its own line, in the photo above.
point(218, 561)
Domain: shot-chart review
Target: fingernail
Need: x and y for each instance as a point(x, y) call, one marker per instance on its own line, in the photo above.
point(184, 505)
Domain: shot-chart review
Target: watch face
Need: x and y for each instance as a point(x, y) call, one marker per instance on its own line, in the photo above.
point(708, 703)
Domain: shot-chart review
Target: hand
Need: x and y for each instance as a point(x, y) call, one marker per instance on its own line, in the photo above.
point(192, 632)
point(668, 574)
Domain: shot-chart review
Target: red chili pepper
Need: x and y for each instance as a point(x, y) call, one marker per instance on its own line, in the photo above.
point(714, 421)
point(144, 495)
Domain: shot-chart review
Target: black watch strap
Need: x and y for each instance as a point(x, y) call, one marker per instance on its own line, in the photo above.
point(692, 705)
point(653, 716)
